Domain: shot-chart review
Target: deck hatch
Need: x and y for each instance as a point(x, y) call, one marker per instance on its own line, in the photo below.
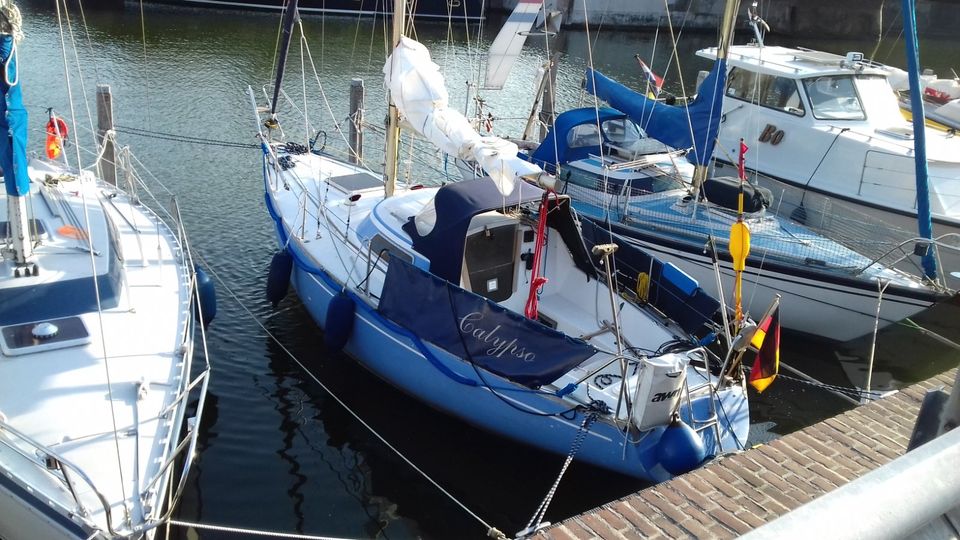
point(20, 338)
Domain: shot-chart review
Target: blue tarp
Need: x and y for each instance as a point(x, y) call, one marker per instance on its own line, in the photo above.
point(668, 123)
point(13, 122)
point(456, 204)
point(480, 331)
point(555, 150)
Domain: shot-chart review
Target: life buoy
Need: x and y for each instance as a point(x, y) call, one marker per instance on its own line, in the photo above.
point(57, 127)
point(56, 134)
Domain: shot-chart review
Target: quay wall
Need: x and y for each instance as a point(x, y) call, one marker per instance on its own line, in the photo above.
point(737, 494)
point(861, 18)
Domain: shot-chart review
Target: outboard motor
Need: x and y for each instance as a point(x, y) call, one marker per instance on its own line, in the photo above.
point(657, 394)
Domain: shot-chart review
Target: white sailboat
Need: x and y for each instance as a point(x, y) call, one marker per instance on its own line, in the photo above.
point(451, 295)
point(97, 337)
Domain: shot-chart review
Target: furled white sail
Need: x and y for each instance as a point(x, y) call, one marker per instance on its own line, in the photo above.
point(418, 90)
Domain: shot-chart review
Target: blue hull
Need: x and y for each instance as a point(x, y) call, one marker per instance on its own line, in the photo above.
point(491, 402)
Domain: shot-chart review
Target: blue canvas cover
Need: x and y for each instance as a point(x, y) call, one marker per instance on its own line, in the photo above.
point(668, 123)
point(13, 123)
point(555, 149)
point(456, 204)
point(476, 329)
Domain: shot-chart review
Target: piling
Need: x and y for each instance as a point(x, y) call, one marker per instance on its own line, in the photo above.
point(356, 120)
point(108, 163)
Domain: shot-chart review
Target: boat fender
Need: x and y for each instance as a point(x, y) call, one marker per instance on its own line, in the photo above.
point(278, 279)
point(680, 449)
point(339, 323)
point(207, 293)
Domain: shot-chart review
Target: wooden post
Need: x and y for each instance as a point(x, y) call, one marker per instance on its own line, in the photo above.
point(108, 163)
point(547, 115)
point(356, 120)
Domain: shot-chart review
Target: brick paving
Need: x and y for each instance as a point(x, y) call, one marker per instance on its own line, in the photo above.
point(738, 493)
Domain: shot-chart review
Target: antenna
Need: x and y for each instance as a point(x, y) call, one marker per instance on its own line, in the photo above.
point(753, 17)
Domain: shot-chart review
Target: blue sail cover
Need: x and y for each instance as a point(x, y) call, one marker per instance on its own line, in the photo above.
point(668, 123)
point(13, 122)
point(471, 327)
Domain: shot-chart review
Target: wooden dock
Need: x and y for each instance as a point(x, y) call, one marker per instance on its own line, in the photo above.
point(736, 494)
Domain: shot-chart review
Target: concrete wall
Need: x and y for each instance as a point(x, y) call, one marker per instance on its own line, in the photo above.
point(791, 17)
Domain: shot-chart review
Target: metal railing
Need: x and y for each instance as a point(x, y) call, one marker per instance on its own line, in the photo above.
point(60, 463)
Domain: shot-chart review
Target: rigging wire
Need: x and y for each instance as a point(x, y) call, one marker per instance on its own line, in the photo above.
point(93, 265)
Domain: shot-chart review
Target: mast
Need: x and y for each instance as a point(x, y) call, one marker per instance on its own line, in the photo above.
point(393, 127)
point(726, 37)
point(289, 18)
point(924, 221)
point(13, 120)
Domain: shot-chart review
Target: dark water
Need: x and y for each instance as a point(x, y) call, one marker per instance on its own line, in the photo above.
point(277, 452)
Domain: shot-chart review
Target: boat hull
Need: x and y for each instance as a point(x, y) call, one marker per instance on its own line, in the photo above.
point(838, 217)
point(811, 302)
point(490, 402)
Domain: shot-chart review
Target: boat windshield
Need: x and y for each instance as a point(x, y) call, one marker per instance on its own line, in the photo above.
point(834, 97)
point(622, 132)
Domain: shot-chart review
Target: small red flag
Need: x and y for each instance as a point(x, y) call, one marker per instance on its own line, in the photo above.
point(743, 152)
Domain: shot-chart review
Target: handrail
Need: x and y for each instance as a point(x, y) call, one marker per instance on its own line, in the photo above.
point(61, 462)
point(938, 242)
point(204, 377)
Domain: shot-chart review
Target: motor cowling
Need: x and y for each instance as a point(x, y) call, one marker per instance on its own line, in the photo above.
point(657, 391)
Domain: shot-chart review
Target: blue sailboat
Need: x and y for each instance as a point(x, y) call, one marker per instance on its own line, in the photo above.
point(482, 300)
point(97, 317)
point(632, 182)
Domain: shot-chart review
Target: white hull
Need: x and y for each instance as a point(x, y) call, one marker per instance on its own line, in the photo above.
point(871, 230)
point(809, 305)
point(88, 425)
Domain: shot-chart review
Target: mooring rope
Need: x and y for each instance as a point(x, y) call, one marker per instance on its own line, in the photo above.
point(492, 531)
point(253, 532)
point(181, 138)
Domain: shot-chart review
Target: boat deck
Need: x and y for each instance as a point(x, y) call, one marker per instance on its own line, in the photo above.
point(98, 401)
point(735, 495)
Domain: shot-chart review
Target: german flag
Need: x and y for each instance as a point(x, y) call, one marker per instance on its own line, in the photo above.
point(766, 340)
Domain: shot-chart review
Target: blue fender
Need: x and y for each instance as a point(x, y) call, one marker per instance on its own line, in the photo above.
point(278, 279)
point(680, 449)
point(207, 293)
point(339, 323)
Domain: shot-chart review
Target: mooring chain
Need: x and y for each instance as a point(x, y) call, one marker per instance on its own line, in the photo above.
point(537, 519)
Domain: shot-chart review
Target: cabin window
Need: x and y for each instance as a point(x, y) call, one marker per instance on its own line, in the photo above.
point(742, 84)
point(489, 258)
point(770, 91)
point(583, 135)
point(834, 97)
point(622, 132)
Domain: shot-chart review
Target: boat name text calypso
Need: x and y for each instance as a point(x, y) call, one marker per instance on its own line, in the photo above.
point(469, 325)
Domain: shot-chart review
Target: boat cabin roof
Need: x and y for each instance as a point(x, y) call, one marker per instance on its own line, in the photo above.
point(792, 62)
point(439, 231)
